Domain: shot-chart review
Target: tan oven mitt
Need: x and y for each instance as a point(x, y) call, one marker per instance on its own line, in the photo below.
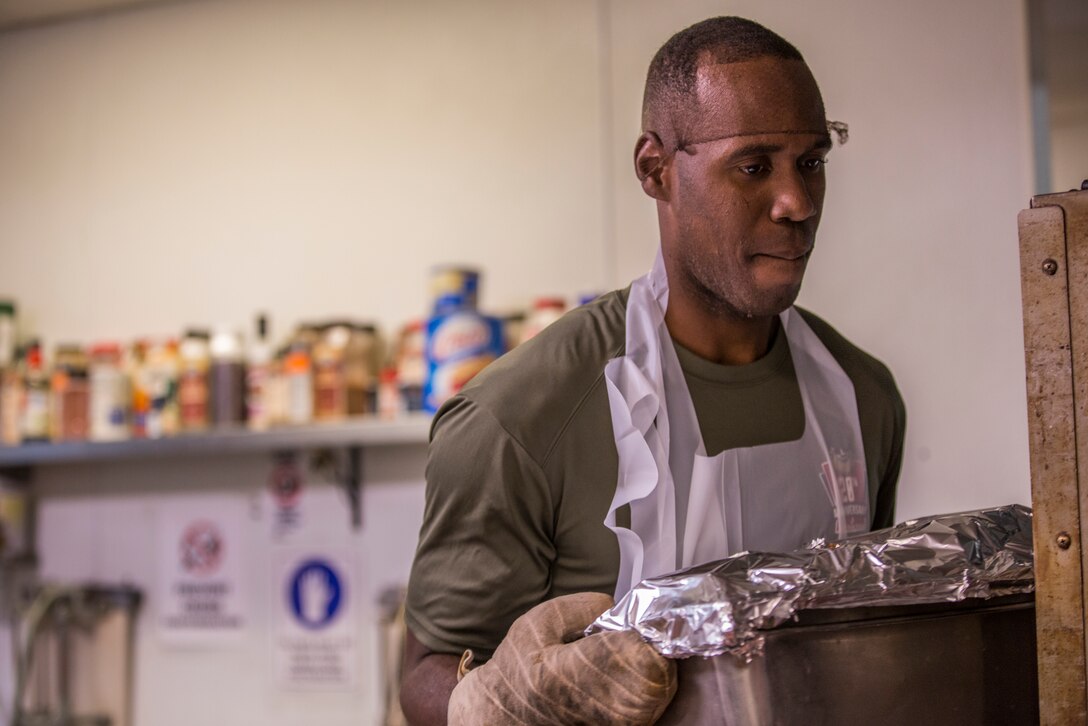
point(545, 672)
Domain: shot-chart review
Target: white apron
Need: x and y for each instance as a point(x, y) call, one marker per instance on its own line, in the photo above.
point(688, 508)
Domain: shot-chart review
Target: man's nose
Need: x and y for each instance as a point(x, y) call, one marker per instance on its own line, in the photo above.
point(794, 197)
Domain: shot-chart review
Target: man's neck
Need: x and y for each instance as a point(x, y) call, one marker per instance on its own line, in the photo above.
point(718, 338)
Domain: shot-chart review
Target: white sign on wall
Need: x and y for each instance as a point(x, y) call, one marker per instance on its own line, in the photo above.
point(286, 485)
point(200, 594)
point(316, 643)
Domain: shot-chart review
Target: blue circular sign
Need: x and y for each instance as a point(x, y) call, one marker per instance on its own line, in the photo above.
point(315, 594)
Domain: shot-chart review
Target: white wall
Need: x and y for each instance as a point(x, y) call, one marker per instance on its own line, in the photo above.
point(199, 161)
point(195, 162)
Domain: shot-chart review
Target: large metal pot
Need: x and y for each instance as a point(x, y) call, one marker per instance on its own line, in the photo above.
point(963, 663)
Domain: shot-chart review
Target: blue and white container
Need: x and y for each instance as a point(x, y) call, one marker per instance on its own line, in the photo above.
point(460, 343)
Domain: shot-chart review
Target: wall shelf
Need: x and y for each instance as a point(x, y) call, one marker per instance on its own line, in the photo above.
point(359, 431)
point(350, 436)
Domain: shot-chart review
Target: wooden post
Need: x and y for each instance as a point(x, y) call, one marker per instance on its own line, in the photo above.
point(1054, 277)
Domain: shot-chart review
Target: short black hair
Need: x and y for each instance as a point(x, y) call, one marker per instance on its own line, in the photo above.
point(670, 81)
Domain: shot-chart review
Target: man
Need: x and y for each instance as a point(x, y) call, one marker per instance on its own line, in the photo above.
point(691, 416)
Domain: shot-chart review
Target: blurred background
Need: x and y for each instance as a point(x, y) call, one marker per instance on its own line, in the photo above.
point(180, 163)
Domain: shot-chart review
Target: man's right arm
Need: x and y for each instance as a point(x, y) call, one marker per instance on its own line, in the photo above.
point(483, 557)
point(427, 679)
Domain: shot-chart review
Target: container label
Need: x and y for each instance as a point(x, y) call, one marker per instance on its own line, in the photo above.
point(459, 346)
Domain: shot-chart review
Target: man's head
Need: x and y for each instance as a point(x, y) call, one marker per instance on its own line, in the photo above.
point(733, 146)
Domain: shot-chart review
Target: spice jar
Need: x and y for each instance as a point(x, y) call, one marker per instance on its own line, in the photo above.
point(70, 394)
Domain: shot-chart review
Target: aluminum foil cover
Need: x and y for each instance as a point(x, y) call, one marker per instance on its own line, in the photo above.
point(722, 607)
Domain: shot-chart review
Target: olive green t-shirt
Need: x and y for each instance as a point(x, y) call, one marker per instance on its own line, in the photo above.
point(522, 467)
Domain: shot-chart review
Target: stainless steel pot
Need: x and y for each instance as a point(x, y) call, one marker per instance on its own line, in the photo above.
point(964, 663)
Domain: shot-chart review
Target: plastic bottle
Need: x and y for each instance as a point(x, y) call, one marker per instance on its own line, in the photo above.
point(160, 381)
point(194, 364)
point(134, 363)
point(277, 389)
point(298, 384)
point(110, 394)
point(259, 379)
point(411, 364)
point(228, 379)
point(390, 401)
point(34, 419)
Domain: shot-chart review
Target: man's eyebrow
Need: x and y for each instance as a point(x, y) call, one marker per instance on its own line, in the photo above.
point(754, 150)
point(823, 143)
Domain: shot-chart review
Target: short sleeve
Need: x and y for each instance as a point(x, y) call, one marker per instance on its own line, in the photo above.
point(892, 445)
point(486, 545)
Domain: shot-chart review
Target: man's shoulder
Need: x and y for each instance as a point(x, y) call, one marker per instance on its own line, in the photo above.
point(865, 370)
point(534, 390)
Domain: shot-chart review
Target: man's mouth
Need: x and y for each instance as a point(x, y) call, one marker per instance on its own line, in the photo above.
point(786, 255)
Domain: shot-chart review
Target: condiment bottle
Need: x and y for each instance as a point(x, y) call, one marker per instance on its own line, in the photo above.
point(71, 395)
point(390, 401)
point(110, 394)
point(228, 379)
point(160, 379)
point(141, 397)
point(194, 362)
point(34, 418)
point(330, 386)
point(259, 379)
point(298, 384)
point(411, 364)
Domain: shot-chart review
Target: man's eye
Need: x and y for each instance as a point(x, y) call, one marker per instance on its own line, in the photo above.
point(813, 164)
point(752, 169)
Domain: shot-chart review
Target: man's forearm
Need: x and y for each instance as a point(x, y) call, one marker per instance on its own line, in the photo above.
point(427, 680)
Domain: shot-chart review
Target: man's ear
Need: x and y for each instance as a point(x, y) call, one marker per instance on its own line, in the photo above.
point(651, 163)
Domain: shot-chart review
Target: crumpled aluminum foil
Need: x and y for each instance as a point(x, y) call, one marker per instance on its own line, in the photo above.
point(722, 607)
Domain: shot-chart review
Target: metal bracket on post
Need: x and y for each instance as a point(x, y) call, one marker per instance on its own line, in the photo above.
point(353, 484)
point(17, 474)
point(347, 474)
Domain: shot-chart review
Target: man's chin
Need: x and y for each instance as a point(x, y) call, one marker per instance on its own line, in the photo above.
point(775, 302)
point(767, 304)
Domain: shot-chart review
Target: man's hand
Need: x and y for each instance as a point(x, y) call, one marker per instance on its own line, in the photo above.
point(545, 672)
